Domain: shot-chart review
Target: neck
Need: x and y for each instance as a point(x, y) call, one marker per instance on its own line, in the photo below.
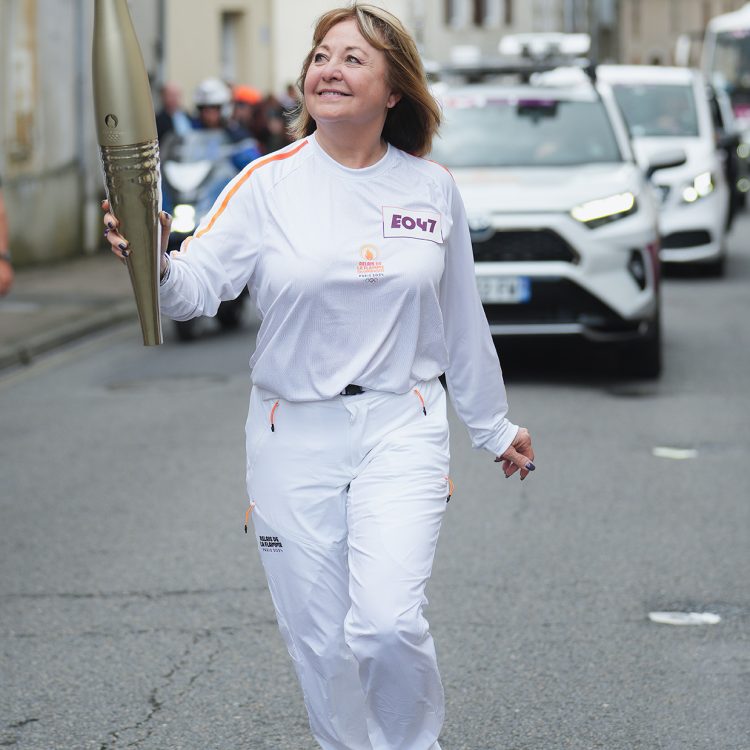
point(351, 150)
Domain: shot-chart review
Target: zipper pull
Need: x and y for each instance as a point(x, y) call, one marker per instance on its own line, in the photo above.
point(419, 396)
point(248, 513)
point(451, 487)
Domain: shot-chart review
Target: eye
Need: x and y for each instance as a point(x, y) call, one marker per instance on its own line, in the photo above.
point(319, 57)
point(352, 59)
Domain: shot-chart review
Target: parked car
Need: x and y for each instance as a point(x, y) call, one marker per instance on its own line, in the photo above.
point(668, 108)
point(562, 217)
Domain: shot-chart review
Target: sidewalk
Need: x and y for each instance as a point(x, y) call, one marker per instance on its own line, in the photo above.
point(57, 303)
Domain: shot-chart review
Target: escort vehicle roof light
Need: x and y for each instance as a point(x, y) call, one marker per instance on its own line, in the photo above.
point(541, 46)
point(522, 55)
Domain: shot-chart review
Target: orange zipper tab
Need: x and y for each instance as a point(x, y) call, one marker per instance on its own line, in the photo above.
point(248, 513)
point(273, 411)
point(419, 396)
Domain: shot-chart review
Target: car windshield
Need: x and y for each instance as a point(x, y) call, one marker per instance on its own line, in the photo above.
point(659, 110)
point(730, 66)
point(197, 145)
point(518, 132)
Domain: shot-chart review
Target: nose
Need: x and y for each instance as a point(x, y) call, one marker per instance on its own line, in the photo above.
point(331, 70)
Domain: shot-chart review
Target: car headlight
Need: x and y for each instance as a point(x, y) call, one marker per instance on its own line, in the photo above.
point(604, 210)
point(184, 219)
point(700, 187)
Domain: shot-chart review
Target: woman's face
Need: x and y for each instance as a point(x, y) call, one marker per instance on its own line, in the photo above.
point(346, 82)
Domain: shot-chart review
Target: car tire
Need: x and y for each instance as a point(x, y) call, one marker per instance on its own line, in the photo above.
point(715, 269)
point(185, 329)
point(643, 358)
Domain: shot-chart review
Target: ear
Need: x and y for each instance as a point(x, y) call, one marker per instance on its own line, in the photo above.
point(393, 100)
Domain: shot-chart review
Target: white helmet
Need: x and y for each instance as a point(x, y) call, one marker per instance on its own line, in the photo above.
point(212, 93)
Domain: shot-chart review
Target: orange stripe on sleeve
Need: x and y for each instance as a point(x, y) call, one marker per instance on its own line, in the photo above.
point(243, 179)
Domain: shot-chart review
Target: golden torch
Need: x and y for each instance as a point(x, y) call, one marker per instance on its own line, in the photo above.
point(126, 130)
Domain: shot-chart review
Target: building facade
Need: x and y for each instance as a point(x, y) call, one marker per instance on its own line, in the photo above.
point(48, 152)
point(649, 29)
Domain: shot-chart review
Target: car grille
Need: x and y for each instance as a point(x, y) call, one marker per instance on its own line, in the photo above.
point(678, 240)
point(524, 245)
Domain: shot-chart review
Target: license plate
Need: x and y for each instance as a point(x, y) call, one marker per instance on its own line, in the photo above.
point(504, 289)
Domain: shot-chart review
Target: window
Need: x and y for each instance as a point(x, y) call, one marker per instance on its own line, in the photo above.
point(487, 13)
point(479, 9)
point(525, 133)
point(635, 17)
point(658, 110)
point(458, 13)
point(493, 13)
point(231, 44)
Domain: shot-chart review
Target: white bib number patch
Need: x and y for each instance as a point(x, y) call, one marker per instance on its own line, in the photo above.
point(419, 225)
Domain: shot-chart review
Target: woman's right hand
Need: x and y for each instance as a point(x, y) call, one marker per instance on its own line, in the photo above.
point(118, 244)
point(121, 247)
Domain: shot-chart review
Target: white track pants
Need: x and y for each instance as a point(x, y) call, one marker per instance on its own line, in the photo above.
point(349, 495)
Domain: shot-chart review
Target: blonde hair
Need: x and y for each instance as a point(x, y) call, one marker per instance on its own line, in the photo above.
point(413, 121)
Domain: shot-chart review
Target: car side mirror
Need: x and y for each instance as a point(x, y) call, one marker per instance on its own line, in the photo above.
point(728, 141)
point(675, 157)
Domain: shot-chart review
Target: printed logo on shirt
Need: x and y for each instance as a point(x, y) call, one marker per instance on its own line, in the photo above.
point(369, 267)
point(419, 225)
point(270, 544)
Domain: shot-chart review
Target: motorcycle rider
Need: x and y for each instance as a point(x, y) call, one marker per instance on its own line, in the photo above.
point(227, 148)
point(212, 100)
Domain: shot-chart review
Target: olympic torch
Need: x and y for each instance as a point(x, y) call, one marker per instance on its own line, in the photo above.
point(126, 130)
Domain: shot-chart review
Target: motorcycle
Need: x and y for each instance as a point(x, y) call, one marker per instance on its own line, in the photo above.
point(196, 166)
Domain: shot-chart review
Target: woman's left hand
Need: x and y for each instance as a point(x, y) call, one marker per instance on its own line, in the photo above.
point(519, 456)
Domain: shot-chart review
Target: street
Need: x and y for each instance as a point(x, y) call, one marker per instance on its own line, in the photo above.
point(134, 612)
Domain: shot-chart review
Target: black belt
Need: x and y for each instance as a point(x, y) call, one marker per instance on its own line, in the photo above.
point(352, 390)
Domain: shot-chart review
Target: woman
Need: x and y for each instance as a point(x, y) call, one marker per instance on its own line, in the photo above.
point(358, 255)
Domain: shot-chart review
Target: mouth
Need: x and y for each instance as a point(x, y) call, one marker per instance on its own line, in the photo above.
point(331, 93)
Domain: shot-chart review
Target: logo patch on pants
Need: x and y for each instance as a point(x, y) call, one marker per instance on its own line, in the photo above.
point(270, 544)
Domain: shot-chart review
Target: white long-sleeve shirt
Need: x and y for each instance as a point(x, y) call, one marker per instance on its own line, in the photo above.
point(361, 276)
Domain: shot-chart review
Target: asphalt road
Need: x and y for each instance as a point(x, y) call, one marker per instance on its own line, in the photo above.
point(134, 613)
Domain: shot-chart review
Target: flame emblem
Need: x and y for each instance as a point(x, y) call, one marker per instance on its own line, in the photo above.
point(369, 252)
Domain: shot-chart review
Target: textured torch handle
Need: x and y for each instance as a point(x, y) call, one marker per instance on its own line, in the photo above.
point(131, 175)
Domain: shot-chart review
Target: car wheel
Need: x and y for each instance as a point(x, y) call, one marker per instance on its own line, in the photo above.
point(642, 358)
point(715, 268)
point(185, 329)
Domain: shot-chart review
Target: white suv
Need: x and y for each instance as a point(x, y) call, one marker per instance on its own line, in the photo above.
point(669, 108)
point(563, 220)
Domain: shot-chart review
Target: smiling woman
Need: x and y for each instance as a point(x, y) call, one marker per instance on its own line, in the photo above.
point(358, 255)
point(410, 114)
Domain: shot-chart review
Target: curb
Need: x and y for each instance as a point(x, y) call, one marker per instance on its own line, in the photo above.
point(24, 352)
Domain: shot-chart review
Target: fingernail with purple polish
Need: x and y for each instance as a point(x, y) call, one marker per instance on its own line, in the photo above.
point(530, 466)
